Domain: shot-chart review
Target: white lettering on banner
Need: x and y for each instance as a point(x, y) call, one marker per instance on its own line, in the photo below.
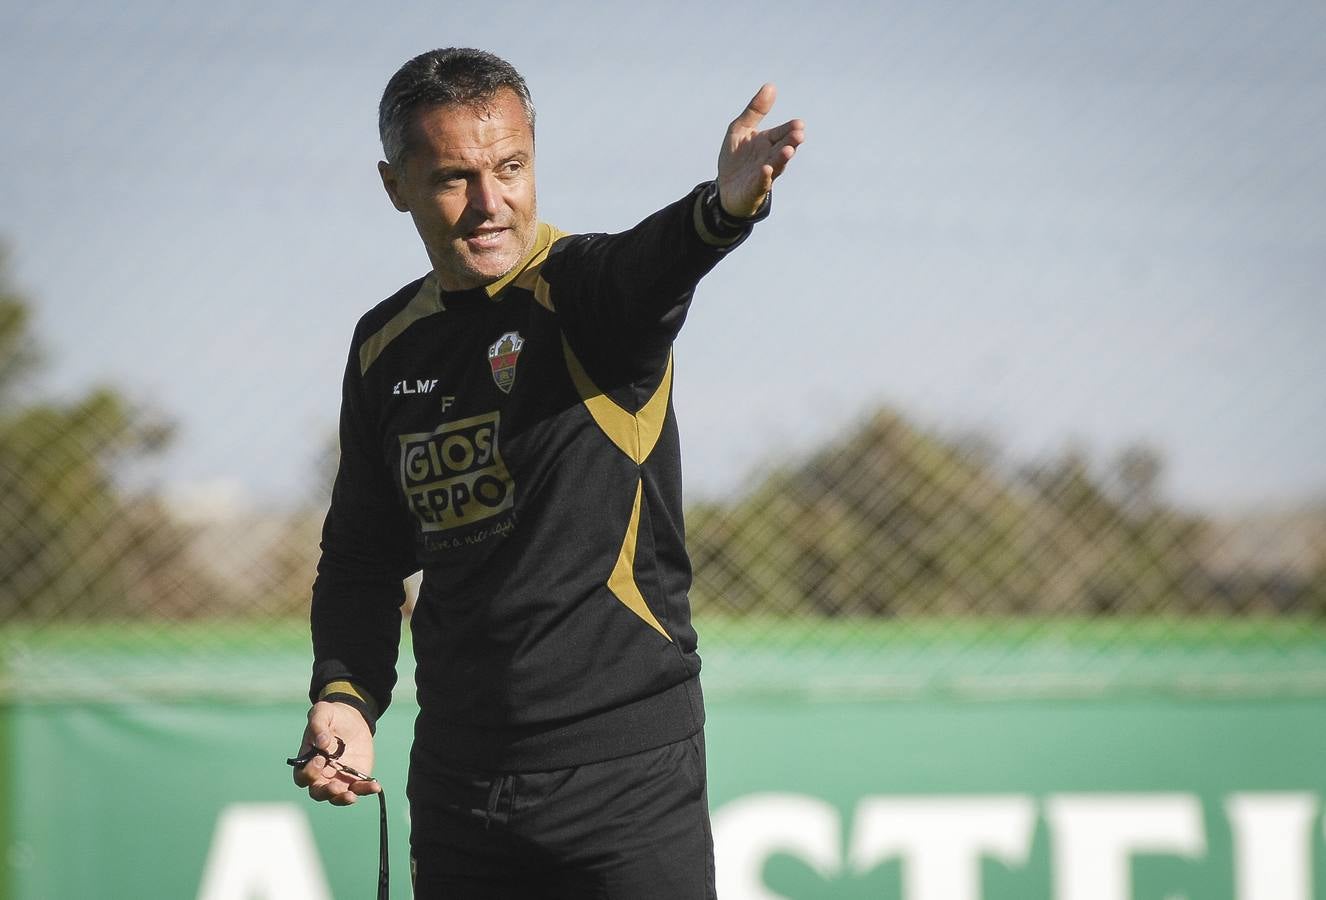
point(1272, 844)
point(263, 851)
point(750, 830)
point(941, 840)
point(1096, 836)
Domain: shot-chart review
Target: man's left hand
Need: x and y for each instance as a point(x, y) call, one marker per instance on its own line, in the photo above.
point(751, 159)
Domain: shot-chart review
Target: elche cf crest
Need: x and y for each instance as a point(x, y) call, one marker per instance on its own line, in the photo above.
point(502, 356)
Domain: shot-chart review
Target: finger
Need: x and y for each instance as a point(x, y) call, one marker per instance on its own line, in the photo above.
point(304, 775)
point(310, 771)
point(757, 108)
point(780, 158)
point(320, 720)
point(366, 788)
point(775, 170)
point(772, 164)
point(321, 778)
point(319, 731)
point(344, 790)
point(320, 791)
point(326, 721)
point(786, 130)
point(325, 789)
point(354, 780)
point(780, 149)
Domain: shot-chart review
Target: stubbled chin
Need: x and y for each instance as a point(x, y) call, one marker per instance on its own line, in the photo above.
point(469, 267)
point(494, 264)
point(473, 270)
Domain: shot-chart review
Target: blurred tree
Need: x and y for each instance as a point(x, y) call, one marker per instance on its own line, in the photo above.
point(888, 521)
point(1138, 469)
point(892, 521)
point(66, 537)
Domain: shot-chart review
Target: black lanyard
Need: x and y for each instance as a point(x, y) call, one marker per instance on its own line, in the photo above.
point(384, 865)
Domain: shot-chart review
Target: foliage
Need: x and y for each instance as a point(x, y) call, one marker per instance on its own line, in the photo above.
point(891, 521)
point(885, 521)
point(70, 545)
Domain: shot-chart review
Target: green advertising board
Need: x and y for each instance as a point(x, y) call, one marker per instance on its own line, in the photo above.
point(830, 779)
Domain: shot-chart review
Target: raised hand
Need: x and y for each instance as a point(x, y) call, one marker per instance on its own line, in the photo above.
point(751, 159)
point(330, 780)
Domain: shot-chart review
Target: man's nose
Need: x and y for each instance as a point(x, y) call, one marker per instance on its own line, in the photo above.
point(485, 196)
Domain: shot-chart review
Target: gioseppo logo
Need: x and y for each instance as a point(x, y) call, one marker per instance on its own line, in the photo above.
point(455, 476)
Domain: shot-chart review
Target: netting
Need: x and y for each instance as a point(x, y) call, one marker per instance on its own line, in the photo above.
point(1151, 479)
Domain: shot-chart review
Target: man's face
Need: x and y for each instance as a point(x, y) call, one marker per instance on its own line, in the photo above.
point(467, 180)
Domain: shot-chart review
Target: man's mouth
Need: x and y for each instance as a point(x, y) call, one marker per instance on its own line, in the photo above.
point(481, 238)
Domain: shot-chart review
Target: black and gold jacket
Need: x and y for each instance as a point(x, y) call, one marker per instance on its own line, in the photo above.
point(517, 442)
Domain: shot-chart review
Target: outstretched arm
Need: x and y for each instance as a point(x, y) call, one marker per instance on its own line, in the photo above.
point(751, 159)
point(622, 297)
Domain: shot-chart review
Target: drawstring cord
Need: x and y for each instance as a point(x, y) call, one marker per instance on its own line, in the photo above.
point(333, 757)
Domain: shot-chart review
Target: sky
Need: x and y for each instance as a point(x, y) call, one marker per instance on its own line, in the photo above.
point(1057, 224)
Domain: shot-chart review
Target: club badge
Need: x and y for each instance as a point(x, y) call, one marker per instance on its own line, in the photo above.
point(502, 356)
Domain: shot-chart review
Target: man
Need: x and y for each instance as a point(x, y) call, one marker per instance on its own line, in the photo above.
point(507, 426)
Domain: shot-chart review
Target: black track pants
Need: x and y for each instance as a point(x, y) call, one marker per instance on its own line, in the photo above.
point(635, 828)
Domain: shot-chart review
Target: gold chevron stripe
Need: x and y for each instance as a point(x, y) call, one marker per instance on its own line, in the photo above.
point(425, 302)
point(634, 434)
point(428, 299)
point(527, 274)
point(622, 580)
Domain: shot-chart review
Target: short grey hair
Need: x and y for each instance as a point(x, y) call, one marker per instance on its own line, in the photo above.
point(455, 75)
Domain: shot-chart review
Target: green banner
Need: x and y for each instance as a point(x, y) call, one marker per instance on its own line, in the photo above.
point(1161, 797)
point(947, 760)
point(1105, 799)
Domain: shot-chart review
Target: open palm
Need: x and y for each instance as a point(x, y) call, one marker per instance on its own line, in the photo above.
point(751, 159)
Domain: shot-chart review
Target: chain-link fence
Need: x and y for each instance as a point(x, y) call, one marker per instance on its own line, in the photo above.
point(896, 559)
point(899, 555)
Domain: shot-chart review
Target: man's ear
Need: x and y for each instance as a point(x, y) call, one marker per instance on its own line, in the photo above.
point(391, 183)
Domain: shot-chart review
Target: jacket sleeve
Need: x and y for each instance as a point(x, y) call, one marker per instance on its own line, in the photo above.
point(622, 298)
point(367, 551)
